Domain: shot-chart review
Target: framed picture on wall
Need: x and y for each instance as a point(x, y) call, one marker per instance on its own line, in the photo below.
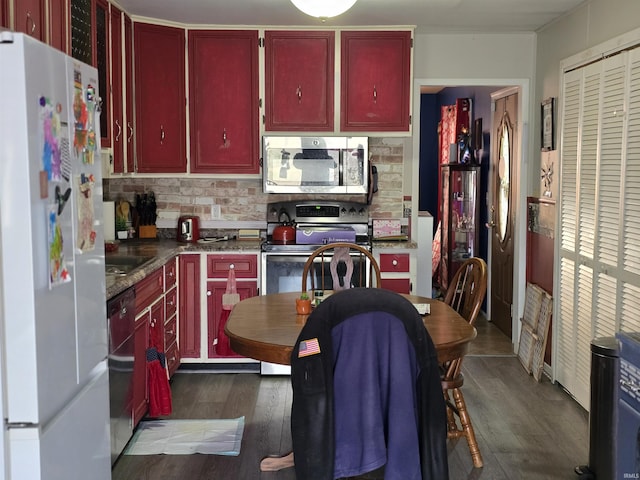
point(548, 125)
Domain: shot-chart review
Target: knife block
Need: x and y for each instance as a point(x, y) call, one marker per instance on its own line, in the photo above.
point(147, 231)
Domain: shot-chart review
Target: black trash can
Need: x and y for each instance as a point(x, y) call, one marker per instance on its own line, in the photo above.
point(605, 373)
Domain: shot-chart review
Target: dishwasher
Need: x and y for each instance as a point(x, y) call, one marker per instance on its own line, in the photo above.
point(121, 322)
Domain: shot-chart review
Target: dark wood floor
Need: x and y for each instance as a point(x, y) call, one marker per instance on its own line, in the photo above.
point(526, 430)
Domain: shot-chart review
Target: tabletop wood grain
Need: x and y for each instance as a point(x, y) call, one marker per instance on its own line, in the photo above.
point(266, 328)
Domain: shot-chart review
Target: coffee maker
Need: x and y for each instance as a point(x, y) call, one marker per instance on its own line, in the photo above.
point(188, 229)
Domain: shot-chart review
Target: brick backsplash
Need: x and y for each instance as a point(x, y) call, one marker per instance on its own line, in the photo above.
point(243, 200)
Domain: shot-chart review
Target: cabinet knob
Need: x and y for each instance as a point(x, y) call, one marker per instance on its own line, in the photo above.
point(130, 128)
point(224, 136)
point(299, 93)
point(171, 273)
point(161, 133)
point(169, 332)
point(208, 293)
point(170, 302)
point(394, 262)
point(375, 94)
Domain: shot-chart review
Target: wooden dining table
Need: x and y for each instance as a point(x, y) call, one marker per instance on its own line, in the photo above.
point(266, 328)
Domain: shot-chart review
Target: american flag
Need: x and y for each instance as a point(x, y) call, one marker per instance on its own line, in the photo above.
point(308, 347)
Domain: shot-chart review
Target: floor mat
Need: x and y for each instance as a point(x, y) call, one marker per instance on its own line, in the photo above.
point(185, 437)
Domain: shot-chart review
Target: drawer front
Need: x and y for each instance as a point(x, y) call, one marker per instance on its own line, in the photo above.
point(394, 262)
point(170, 273)
point(171, 302)
point(173, 359)
point(149, 289)
point(170, 333)
point(399, 285)
point(245, 266)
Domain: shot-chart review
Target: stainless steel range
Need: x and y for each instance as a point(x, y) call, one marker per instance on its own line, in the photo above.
point(316, 224)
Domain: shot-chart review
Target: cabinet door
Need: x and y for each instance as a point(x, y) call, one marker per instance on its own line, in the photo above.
point(128, 76)
point(82, 38)
point(4, 13)
point(299, 78)
point(101, 33)
point(215, 290)
point(139, 381)
point(223, 90)
point(116, 90)
point(189, 312)
point(58, 32)
point(29, 17)
point(376, 81)
point(160, 98)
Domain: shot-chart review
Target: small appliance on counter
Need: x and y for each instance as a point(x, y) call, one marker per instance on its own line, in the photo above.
point(188, 229)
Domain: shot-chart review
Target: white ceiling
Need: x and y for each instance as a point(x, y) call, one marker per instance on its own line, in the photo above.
point(426, 15)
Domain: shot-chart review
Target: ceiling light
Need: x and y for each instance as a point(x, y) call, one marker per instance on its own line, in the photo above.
point(323, 9)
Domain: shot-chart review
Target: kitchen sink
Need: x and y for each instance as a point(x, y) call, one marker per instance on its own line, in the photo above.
point(121, 265)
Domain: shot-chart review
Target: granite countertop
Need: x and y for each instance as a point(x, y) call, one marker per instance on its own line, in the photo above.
point(160, 252)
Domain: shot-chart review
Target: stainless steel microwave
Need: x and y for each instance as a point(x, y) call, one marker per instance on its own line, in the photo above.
point(337, 165)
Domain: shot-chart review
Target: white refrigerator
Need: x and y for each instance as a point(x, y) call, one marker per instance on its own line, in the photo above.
point(53, 329)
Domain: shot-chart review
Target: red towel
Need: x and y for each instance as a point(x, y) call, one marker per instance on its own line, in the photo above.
point(157, 377)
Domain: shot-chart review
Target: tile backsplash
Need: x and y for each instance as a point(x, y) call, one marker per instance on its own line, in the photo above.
point(242, 199)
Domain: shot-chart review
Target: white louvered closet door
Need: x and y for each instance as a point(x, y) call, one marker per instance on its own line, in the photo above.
point(599, 228)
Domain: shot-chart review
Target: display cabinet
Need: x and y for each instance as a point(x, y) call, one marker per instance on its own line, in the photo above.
point(460, 214)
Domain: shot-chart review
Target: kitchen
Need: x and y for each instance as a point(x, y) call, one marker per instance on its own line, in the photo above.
point(235, 199)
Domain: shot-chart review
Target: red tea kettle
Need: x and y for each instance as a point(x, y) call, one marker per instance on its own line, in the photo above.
point(285, 233)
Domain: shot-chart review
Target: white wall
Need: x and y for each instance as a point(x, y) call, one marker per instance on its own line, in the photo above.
point(481, 60)
point(593, 23)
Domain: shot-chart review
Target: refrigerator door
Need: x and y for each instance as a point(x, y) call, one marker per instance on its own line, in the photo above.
point(37, 235)
point(39, 453)
point(86, 208)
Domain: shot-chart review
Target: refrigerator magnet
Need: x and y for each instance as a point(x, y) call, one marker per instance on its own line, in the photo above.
point(58, 271)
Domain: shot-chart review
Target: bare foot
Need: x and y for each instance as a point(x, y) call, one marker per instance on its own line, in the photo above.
point(273, 464)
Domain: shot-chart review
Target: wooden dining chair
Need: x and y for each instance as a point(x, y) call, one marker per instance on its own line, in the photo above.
point(465, 295)
point(340, 265)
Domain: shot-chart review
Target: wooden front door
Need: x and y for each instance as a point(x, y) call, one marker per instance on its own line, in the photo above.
point(505, 148)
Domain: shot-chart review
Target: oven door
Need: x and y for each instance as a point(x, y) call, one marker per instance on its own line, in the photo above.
point(282, 272)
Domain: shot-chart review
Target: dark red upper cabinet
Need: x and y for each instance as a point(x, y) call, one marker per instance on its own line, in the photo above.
point(160, 98)
point(4, 13)
point(128, 79)
point(119, 134)
point(59, 11)
point(29, 17)
point(299, 78)
point(223, 97)
point(375, 81)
